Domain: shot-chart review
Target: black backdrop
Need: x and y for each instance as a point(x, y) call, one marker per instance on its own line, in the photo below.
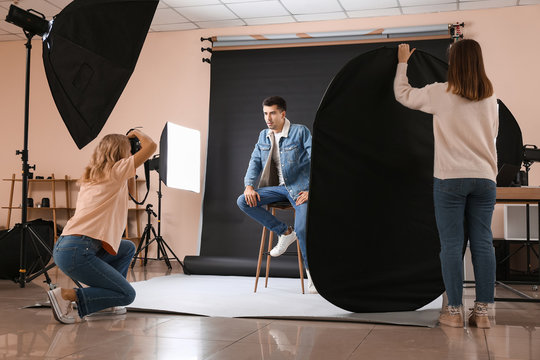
point(382, 243)
point(240, 80)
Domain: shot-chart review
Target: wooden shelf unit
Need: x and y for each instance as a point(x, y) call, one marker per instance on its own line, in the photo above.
point(69, 208)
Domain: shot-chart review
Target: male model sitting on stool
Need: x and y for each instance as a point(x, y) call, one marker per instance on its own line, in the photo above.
point(282, 158)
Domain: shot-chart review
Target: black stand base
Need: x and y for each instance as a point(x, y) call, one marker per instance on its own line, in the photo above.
point(162, 246)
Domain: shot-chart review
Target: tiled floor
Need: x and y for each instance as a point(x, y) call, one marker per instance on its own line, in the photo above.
point(32, 333)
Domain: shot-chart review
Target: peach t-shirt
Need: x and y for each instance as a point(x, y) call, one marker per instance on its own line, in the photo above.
point(102, 207)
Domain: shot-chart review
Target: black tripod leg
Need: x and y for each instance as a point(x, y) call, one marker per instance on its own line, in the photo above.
point(40, 262)
point(160, 242)
point(154, 238)
point(159, 250)
point(144, 239)
point(39, 239)
point(35, 236)
point(176, 257)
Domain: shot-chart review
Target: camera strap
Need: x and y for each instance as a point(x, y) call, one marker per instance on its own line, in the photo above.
point(147, 178)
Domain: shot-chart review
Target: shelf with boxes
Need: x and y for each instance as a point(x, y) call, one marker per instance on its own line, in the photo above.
point(48, 204)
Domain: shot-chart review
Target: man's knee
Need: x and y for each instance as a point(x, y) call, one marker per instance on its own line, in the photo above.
point(241, 202)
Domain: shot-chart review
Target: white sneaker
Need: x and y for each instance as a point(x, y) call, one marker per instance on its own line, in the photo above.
point(110, 311)
point(283, 243)
point(61, 308)
point(311, 286)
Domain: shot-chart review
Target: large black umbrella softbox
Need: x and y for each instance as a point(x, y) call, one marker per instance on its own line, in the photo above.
point(372, 241)
point(89, 56)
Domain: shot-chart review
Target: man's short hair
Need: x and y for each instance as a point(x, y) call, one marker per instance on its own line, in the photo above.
point(276, 100)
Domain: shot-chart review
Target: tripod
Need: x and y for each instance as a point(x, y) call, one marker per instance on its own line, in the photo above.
point(27, 232)
point(161, 244)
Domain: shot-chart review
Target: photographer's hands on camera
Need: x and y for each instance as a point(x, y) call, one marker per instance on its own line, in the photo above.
point(142, 147)
point(146, 146)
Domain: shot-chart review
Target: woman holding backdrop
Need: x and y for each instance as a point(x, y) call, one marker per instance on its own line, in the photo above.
point(91, 249)
point(465, 126)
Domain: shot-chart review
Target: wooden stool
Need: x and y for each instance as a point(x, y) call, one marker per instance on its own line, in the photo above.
point(284, 205)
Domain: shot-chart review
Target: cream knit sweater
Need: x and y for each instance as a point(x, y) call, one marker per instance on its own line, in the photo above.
point(464, 130)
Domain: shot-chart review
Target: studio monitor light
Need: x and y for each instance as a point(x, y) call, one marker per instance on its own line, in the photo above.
point(531, 153)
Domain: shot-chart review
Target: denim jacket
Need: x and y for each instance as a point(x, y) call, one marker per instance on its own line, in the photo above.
point(295, 158)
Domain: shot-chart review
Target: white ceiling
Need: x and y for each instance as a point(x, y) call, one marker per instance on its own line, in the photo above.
point(175, 15)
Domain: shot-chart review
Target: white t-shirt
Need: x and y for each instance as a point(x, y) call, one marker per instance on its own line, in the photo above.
point(276, 157)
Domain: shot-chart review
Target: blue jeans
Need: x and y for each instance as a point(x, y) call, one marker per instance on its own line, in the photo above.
point(470, 201)
point(270, 195)
point(84, 259)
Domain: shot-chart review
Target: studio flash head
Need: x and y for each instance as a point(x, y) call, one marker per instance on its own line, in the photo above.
point(30, 20)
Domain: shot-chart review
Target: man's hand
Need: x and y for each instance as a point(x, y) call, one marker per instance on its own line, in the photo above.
point(404, 53)
point(251, 196)
point(302, 197)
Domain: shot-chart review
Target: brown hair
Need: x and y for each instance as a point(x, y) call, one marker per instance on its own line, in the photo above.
point(110, 149)
point(276, 100)
point(466, 74)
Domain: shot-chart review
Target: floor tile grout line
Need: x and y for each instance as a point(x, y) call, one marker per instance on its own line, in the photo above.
point(361, 342)
point(91, 346)
point(237, 341)
point(487, 345)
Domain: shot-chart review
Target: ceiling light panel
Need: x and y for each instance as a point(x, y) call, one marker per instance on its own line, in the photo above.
point(311, 6)
point(238, 1)
point(472, 5)
point(270, 20)
point(425, 2)
point(368, 4)
point(428, 8)
point(174, 27)
point(167, 16)
point(220, 23)
point(374, 13)
point(321, 17)
point(258, 9)
point(182, 3)
point(207, 13)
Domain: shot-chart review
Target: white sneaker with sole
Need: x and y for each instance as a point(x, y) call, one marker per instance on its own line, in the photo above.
point(311, 286)
point(283, 243)
point(110, 311)
point(61, 308)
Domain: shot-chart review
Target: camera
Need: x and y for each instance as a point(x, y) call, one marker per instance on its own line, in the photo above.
point(135, 145)
point(134, 142)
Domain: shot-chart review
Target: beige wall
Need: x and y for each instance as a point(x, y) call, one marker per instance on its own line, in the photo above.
point(171, 83)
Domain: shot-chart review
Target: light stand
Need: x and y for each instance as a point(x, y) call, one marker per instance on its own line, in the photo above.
point(32, 25)
point(162, 246)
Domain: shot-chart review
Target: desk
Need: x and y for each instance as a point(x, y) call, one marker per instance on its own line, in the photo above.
point(521, 195)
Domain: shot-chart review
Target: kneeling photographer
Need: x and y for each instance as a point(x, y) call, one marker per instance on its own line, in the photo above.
point(91, 249)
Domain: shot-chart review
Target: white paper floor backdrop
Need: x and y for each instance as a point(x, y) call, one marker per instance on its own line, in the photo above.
point(233, 296)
